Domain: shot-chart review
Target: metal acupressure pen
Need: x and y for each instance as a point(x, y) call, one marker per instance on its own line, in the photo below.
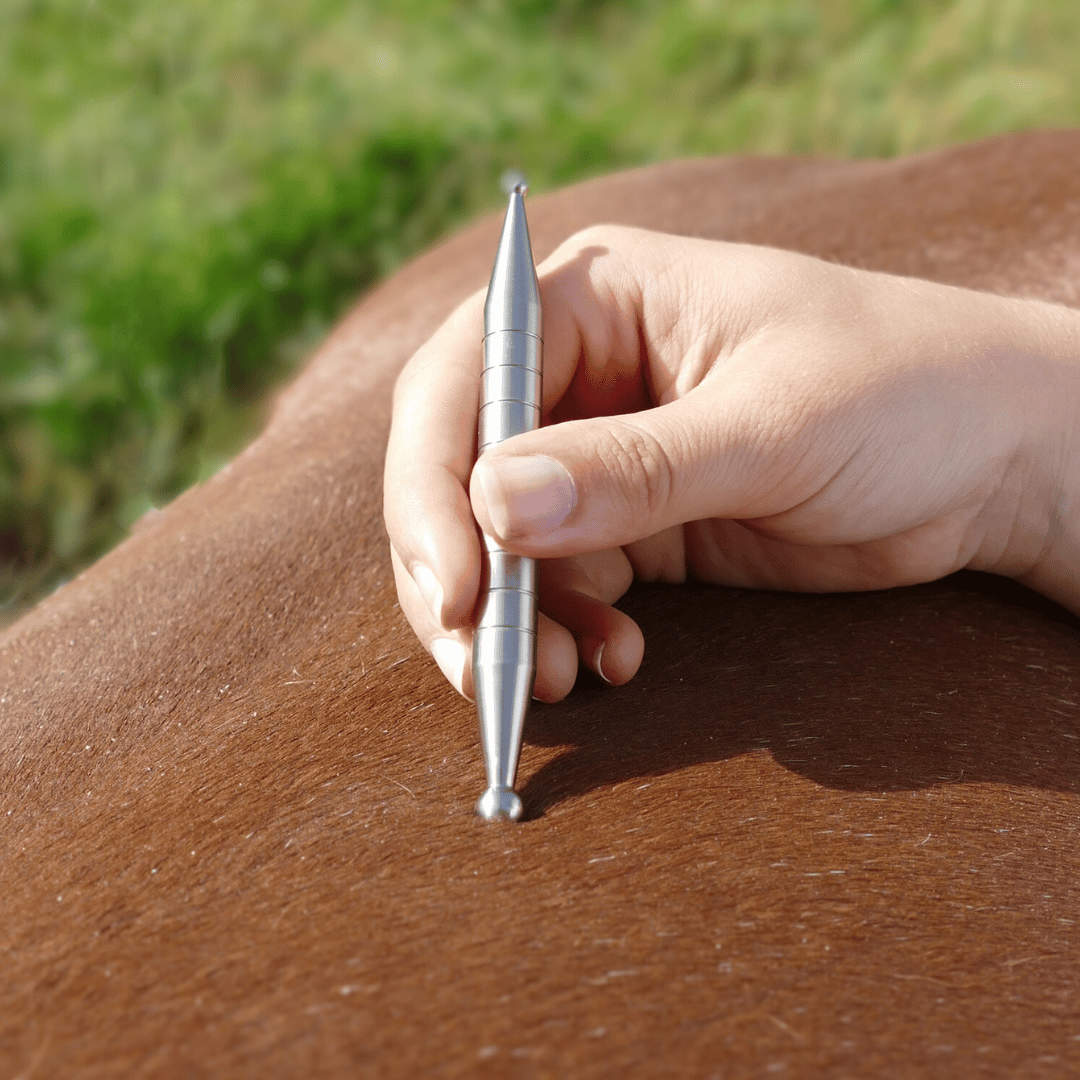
point(504, 645)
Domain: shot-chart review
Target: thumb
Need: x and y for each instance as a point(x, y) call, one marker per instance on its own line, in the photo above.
point(588, 485)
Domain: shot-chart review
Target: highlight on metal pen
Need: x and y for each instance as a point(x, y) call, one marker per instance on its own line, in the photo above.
point(504, 643)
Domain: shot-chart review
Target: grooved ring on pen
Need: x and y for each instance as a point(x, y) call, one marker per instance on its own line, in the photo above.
point(495, 442)
point(495, 643)
point(512, 364)
point(532, 405)
point(507, 607)
point(513, 589)
point(512, 347)
point(516, 400)
point(501, 419)
point(511, 382)
point(527, 333)
point(500, 569)
point(493, 547)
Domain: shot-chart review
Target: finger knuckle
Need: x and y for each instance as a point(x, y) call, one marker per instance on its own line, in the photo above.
point(618, 579)
point(599, 234)
point(403, 384)
point(605, 236)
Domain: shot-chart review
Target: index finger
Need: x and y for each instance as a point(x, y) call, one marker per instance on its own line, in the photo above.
point(429, 456)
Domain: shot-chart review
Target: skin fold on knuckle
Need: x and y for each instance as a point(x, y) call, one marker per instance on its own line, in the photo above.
point(754, 439)
point(643, 470)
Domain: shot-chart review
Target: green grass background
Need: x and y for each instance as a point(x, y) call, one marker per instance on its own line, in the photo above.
point(191, 191)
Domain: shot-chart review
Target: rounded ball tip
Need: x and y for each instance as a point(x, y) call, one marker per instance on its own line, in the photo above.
point(499, 802)
point(513, 182)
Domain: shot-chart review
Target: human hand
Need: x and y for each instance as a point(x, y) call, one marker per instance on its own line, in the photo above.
point(741, 414)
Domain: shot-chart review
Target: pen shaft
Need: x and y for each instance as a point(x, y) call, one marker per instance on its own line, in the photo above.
point(504, 642)
point(504, 646)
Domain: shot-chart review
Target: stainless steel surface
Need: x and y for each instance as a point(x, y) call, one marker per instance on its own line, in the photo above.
point(504, 645)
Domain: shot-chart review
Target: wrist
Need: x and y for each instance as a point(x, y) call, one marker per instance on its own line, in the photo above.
point(1036, 538)
point(1056, 570)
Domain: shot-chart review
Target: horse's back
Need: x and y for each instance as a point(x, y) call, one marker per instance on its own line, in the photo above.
point(824, 833)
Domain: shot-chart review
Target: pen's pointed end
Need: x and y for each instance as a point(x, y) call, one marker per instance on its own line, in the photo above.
point(514, 183)
point(513, 300)
point(499, 803)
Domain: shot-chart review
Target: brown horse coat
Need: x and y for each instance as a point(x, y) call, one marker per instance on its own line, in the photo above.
point(816, 834)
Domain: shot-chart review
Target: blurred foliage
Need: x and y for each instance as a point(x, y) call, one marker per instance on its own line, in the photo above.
point(190, 192)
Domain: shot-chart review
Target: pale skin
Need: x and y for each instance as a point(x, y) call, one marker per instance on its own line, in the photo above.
point(739, 415)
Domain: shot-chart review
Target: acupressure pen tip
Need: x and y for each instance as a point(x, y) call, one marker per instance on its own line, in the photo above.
point(514, 182)
point(499, 803)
